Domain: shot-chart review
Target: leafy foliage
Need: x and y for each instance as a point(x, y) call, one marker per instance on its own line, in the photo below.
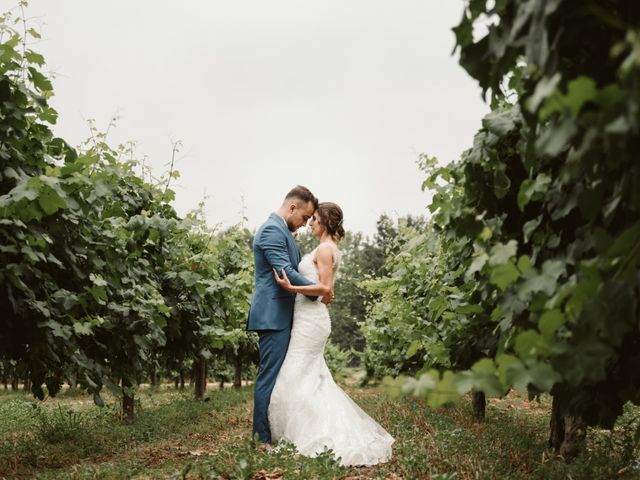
point(530, 277)
point(98, 274)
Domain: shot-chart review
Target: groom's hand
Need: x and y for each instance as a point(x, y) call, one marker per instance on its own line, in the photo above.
point(328, 298)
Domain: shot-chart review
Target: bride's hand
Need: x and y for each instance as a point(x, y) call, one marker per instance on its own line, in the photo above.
point(284, 281)
point(328, 298)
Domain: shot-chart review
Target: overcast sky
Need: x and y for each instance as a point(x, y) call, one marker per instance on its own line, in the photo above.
point(338, 95)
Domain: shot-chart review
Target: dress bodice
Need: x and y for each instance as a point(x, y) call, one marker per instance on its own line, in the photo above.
point(309, 269)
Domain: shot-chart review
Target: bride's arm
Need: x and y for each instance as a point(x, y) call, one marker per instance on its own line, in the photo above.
point(324, 261)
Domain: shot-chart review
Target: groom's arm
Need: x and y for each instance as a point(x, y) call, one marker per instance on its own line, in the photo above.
point(275, 251)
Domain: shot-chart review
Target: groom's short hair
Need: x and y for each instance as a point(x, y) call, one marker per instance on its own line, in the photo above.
point(302, 193)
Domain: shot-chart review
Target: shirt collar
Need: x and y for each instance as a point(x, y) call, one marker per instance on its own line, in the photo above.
point(284, 224)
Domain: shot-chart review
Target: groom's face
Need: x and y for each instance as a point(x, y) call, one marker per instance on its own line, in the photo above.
point(299, 215)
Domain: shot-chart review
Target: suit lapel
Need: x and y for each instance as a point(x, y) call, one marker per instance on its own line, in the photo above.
point(280, 222)
point(298, 254)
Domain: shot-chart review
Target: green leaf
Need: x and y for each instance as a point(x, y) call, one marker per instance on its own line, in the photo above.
point(464, 382)
point(549, 323)
point(97, 280)
point(486, 234)
point(59, 330)
point(524, 264)
point(477, 264)
point(82, 328)
point(419, 387)
point(556, 138)
point(530, 344)
point(584, 291)
point(501, 123)
point(610, 96)
point(529, 227)
point(30, 253)
point(99, 294)
point(464, 31)
point(543, 376)
point(502, 253)
point(41, 82)
point(413, 349)
point(190, 278)
point(533, 190)
point(445, 391)
point(580, 91)
point(544, 89)
point(553, 269)
point(50, 201)
point(518, 376)
point(25, 190)
point(625, 241)
point(488, 383)
point(34, 57)
point(504, 275)
point(484, 365)
point(469, 309)
point(501, 184)
point(505, 362)
point(545, 281)
point(619, 126)
point(34, 33)
point(49, 115)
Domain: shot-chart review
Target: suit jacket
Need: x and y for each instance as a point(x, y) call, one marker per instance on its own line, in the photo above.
point(274, 247)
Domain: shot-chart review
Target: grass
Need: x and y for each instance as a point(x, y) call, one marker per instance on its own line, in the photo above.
point(174, 436)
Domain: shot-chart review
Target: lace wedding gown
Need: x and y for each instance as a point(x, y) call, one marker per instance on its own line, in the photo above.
point(307, 407)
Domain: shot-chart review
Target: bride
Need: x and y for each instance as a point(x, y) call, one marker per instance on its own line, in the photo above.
point(307, 407)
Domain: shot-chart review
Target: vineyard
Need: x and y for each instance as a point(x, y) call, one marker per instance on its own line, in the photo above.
point(497, 336)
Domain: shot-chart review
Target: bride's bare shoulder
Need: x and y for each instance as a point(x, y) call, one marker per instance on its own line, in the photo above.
point(328, 251)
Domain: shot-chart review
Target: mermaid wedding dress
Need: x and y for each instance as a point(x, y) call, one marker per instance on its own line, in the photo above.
point(307, 407)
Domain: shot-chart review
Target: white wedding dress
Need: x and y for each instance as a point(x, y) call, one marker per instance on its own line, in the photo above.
point(307, 407)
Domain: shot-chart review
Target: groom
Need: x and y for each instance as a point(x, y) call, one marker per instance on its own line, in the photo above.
point(271, 312)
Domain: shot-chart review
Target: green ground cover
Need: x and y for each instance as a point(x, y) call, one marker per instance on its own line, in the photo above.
point(174, 436)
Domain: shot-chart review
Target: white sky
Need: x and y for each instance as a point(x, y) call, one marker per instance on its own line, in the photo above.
point(337, 95)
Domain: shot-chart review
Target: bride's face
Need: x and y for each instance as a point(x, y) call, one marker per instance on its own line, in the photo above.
point(317, 229)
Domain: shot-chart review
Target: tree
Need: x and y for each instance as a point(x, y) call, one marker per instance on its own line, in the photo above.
point(541, 215)
point(97, 271)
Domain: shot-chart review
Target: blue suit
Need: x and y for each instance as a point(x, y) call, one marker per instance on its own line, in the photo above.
point(271, 312)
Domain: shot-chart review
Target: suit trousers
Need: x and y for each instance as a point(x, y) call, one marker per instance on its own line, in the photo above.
point(273, 346)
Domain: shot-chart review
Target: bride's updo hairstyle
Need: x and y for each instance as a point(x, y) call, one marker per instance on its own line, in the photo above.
point(331, 217)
